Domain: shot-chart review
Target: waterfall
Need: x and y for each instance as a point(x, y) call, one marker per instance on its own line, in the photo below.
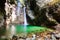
point(16, 13)
point(25, 19)
point(20, 11)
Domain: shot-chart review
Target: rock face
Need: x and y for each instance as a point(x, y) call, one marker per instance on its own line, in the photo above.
point(42, 3)
point(39, 11)
point(57, 27)
point(1, 20)
point(39, 7)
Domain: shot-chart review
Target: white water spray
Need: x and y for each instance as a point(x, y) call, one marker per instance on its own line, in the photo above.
point(25, 19)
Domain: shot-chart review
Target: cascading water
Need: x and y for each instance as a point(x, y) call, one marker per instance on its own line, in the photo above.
point(24, 16)
point(25, 20)
point(23, 11)
point(16, 13)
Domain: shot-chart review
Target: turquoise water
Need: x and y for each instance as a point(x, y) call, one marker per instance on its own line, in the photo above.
point(29, 29)
point(23, 30)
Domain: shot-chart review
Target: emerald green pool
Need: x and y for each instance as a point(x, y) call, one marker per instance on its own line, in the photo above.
point(28, 29)
point(22, 30)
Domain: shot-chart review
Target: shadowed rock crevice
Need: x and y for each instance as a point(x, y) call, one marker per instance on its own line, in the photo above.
point(40, 14)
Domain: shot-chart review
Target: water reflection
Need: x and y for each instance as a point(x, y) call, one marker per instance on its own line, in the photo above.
point(13, 30)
